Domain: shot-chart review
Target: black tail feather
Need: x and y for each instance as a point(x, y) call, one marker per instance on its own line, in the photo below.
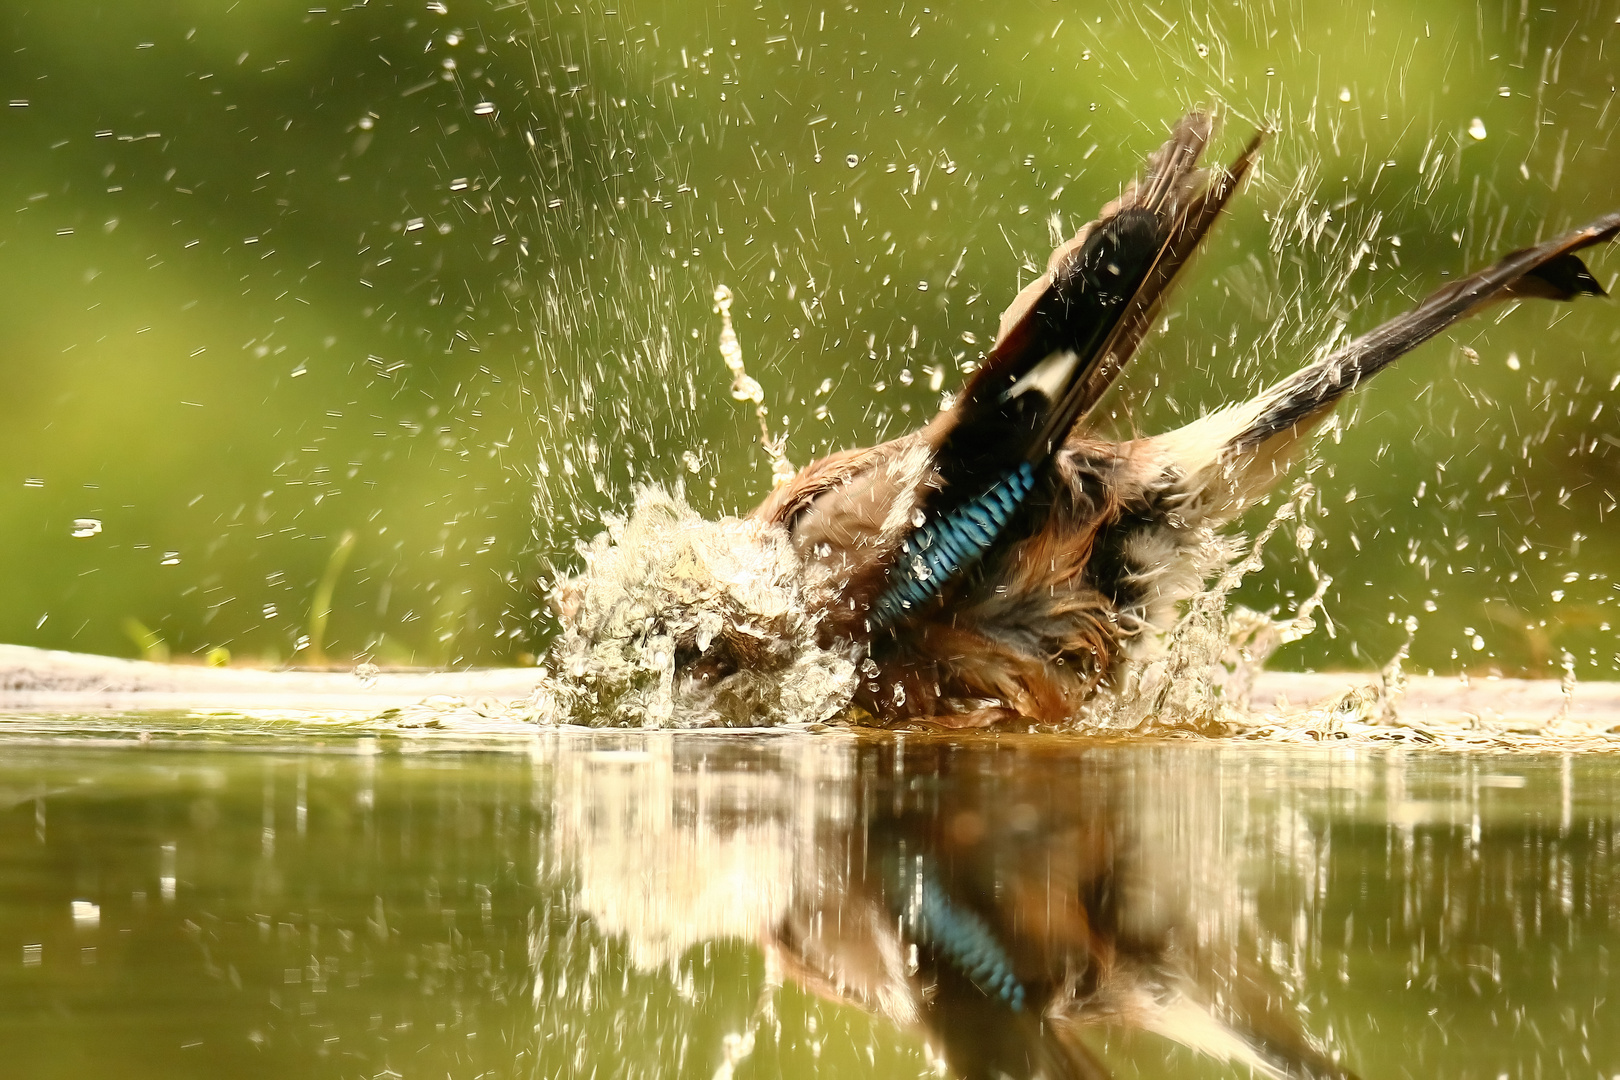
point(1549, 270)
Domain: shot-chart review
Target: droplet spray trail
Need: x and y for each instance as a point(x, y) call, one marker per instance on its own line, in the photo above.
point(744, 387)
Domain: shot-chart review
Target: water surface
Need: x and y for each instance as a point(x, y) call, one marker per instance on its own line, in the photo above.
point(509, 904)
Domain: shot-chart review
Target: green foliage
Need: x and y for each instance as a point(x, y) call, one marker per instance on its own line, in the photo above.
point(277, 273)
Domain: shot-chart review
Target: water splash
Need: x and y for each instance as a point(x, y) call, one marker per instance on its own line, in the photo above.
point(1197, 675)
point(744, 387)
point(678, 621)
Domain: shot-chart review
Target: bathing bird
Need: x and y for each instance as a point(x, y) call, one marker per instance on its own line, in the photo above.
point(1001, 562)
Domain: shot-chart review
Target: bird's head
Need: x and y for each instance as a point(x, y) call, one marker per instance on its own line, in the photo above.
point(678, 621)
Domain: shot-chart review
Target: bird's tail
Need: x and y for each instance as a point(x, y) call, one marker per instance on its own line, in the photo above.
point(1234, 456)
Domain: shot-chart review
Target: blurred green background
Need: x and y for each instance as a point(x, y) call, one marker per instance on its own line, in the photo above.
point(378, 306)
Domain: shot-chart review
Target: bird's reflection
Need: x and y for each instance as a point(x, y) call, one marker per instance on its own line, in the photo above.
point(1004, 903)
point(1004, 911)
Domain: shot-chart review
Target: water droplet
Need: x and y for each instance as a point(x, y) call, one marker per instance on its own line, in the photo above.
point(83, 527)
point(1513, 361)
point(1344, 94)
point(852, 160)
point(484, 108)
point(170, 558)
point(1476, 129)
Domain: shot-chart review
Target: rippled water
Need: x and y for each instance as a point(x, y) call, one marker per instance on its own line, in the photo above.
point(503, 903)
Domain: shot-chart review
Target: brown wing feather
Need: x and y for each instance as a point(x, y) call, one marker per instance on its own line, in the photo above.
point(1171, 168)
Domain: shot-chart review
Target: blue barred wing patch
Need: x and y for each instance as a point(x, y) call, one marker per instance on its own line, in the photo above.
point(962, 938)
point(941, 549)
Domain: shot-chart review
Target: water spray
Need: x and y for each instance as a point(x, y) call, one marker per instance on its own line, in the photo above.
point(744, 387)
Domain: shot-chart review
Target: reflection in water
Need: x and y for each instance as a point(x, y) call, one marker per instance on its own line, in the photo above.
point(1005, 911)
point(999, 902)
point(592, 907)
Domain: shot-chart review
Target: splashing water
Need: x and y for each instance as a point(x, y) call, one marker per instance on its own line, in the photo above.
point(678, 621)
point(744, 387)
point(1198, 674)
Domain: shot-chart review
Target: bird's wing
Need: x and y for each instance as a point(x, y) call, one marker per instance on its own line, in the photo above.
point(905, 519)
point(1185, 201)
point(1067, 334)
point(1061, 343)
point(788, 501)
point(1234, 456)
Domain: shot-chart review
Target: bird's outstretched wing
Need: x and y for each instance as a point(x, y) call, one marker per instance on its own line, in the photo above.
point(897, 524)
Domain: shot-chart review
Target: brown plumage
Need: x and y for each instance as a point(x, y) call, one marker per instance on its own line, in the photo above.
point(1001, 562)
point(1105, 541)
